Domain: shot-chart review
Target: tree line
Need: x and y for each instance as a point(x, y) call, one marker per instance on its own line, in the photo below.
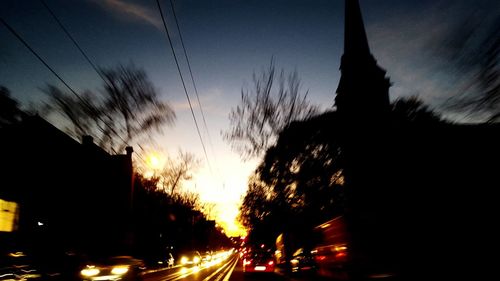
point(299, 182)
point(127, 110)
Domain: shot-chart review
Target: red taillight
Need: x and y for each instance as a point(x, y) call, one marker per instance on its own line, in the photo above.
point(321, 258)
point(340, 255)
point(270, 263)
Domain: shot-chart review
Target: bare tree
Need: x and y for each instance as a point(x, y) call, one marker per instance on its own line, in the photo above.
point(178, 170)
point(265, 110)
point(188, 199)
point(258, 203)
point(82, 113)
point(10, 113)
point(208, 209)
point(413, 110)
point(126, 109)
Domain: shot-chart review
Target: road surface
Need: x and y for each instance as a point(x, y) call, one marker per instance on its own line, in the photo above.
point(229, 269)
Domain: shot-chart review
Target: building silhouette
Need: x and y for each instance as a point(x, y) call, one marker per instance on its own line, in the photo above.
point(421, 197)
point(70, 195)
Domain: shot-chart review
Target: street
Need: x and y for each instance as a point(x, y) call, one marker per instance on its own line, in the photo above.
point(219, 270)
point(226, 270)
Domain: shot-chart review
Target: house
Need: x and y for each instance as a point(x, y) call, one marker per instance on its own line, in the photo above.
point(68, 194)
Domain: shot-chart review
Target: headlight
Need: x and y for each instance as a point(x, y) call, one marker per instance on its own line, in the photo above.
point(184, 260)
point(89, 271)
point(119, 270)
point(196, 259)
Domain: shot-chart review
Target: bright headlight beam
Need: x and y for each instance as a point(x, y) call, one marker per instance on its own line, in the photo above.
point(184, 260)
point(89, 271)
point(119, 270)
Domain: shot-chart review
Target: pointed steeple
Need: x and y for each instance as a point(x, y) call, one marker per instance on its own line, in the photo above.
point(363, 90)
point(355, 41)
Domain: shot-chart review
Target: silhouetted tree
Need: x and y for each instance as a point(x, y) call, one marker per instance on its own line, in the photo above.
point(83, 113)
point(188, 199)
point(265, 110)
point(163, 219)
point(126, 109)
point(10, 113)
point(256, 204)
point(413, 110)
point(306, 166)
point(300, 181)
point(178, 170)
point(261, 212)
point(472, 48)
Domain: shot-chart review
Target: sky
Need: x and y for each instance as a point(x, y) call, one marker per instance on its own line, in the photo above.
point(227, 41)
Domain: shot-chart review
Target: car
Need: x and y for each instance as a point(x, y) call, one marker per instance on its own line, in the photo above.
point(302, 261)
point(191, 258)
point(258, 261)
point(18, 266)
point(124, 268)
point(207, 256)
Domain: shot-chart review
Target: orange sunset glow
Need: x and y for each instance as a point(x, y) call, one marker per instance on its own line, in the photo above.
point(225, 198)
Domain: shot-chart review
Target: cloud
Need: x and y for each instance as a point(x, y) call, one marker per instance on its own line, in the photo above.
point(131, 12)
point(183, 105)
point(213, 101)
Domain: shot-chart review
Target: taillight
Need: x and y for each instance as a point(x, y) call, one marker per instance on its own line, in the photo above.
point(247, 262)
point(270, 263)
point(340, 255)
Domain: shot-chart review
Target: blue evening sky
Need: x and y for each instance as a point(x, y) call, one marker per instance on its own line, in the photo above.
point(227, 40)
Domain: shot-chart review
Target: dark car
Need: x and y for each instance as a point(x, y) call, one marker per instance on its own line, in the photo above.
point(258, 261)
point(302, 261)
point(113, 268)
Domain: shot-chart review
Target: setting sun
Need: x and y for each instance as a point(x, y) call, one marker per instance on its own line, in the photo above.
point(155, 161)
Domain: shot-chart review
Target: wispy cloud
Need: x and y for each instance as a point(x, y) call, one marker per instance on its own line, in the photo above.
point(131, 12)
point(183, 105)
point(212, 102)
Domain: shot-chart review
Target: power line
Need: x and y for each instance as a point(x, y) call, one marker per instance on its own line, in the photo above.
point(189, 67)
point(84, 102)
point(183, 83)
point(192, 78)
point(88, 60)
point(40, 59)
point(74, 42)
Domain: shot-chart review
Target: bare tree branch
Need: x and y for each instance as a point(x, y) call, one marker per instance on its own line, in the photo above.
point(265, 110)
point(178, 170)
point(126, 109)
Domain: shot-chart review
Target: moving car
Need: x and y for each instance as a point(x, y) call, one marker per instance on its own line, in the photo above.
point(191, 258)
point(207, 256)
point(18, 266)
point(302, 261)
point(124, 268)
point(258, 261)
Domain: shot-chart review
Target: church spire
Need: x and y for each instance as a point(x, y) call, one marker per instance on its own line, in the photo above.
point(363, 90)
point(355, 41)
